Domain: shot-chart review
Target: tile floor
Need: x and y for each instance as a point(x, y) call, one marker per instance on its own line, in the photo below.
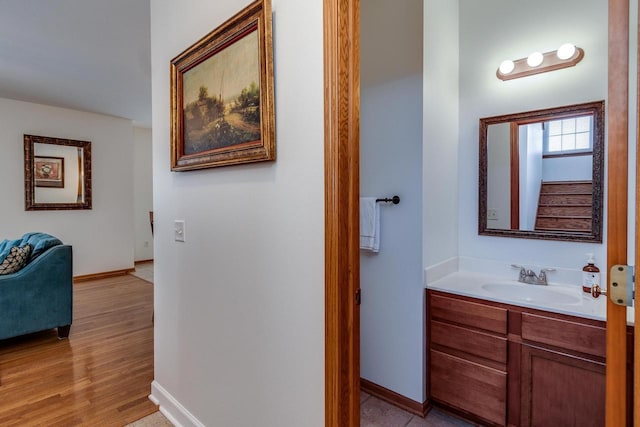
point(378, 413)
point(373, 413)
point(154, 420)
point(144, 271)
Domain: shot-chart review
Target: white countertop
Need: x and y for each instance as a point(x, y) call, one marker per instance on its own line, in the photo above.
point(581, 304)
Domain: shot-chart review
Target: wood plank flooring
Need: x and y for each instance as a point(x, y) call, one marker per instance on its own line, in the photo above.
point(100, 376)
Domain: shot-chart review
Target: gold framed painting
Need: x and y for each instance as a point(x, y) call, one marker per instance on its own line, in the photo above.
point(222, 110)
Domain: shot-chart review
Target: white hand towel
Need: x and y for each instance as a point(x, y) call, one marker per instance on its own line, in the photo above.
point(369, 224)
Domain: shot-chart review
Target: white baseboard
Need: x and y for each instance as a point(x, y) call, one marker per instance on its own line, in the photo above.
point(154, 400)
point(171, 408)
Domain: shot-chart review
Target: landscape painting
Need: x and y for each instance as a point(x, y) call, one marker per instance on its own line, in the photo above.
point(222, 98)
point(222, 110)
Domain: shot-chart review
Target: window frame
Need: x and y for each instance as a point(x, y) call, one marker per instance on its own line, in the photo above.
point(566, 153)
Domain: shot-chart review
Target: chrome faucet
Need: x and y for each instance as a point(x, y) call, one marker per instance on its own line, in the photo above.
point(530, 277)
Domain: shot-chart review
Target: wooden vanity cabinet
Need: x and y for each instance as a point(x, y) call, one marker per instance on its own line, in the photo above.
point(468, 357)
point(507, 365)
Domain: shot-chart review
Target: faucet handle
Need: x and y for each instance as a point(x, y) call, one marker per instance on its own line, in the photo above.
point(523, 272)
point(543, 274)
point(543, 271)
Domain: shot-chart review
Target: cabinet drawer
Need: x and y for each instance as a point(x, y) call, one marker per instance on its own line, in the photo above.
point(476, 343)
point(468, 313)
point(469, 386)
point(563, 333)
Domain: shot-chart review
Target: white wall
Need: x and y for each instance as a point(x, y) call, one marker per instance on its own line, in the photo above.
point(483, 45)
point(142, 193)
point(440, 132)
point(391, 327)
point(530, 174)
point(499, 175)
point(102, 238)
point(568, 168)
point(239, 307)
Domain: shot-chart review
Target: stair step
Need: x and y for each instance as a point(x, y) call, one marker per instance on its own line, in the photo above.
point(565, 206)
point(561, 217)
point(566, 199)
point(568, 224)
point(567, 187)
point(565, 210)
point(562, 194)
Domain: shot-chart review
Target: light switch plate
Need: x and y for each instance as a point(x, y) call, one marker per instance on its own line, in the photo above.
point(492, 214)
point(178, 230)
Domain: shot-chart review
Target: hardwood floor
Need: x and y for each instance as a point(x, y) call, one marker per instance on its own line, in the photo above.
point(100, 376)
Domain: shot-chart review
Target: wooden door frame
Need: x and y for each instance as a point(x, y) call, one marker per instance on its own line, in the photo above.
point(342, 262)
point(342, 218)
point(636, 339)
point(617, 205)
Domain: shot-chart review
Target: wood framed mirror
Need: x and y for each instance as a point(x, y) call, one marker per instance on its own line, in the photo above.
point(541, 174)
point(57, 173)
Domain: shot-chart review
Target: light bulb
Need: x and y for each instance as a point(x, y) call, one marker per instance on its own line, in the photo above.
point(535, 59)
point(507, 66)
point(566, 51)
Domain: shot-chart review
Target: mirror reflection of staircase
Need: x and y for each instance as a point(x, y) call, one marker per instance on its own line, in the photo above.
point(565, 206)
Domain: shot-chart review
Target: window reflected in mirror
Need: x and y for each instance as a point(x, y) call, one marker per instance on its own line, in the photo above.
point(541, 174)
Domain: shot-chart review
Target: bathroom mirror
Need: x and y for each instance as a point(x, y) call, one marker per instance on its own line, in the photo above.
point(57, 173)
point(541, 174)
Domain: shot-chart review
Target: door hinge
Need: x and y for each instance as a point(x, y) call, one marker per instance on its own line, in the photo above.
point(622, 281)
point(358, 296)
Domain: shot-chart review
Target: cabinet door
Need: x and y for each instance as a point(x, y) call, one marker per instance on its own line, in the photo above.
point(561, 390)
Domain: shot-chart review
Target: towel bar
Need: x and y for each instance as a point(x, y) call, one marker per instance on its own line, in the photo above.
point(395, 200)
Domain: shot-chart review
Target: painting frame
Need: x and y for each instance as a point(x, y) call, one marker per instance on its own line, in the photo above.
point(42, 166)
point(220, 130)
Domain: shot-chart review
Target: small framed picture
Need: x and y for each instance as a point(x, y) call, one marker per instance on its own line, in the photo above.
point(49, 171)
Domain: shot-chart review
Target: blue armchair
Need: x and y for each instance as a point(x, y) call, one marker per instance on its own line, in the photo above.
point(39, 296)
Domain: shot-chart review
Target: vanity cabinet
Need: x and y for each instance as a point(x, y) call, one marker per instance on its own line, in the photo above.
point(500, 364)
point(468, 357)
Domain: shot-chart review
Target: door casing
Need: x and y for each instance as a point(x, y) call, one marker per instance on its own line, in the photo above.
point(342, 191)
point(617, 203)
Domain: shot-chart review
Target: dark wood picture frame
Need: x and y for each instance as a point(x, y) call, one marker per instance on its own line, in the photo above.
point(48, 171)
point(84, 172)
point(220, 115)
point(596, 109)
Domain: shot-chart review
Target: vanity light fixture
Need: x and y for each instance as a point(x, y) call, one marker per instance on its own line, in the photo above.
point(567, 55)
point(535, 59)
point(507, 66)
point(566, 51)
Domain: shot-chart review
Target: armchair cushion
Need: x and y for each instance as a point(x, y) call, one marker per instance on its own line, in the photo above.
point(40, 242)
point(17, 258)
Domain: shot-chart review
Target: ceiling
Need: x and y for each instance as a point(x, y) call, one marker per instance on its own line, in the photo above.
point(89, 55)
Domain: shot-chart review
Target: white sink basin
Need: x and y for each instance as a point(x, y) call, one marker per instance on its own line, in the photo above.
point(532, 293)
